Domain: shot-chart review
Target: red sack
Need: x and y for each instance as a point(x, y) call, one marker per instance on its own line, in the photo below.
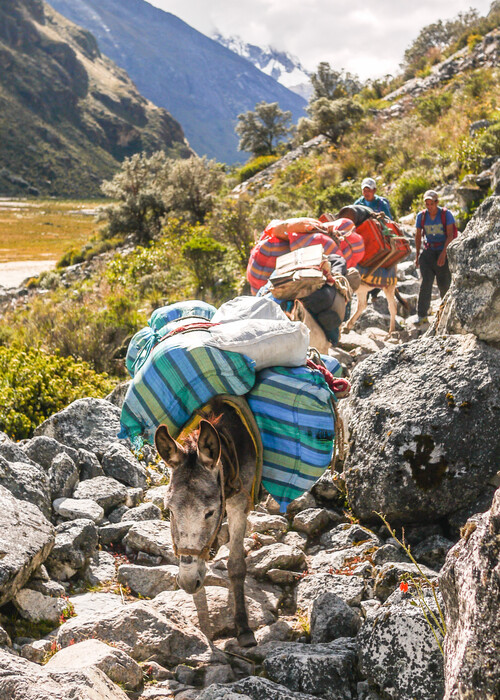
point(385, 244)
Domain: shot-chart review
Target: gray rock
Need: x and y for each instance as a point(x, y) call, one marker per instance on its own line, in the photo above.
point(114, 532)
point(312, 586)
point(327, 670)
point(148, 581)
point(432, 551)
point(275, 556)
point(295, 539)
point(263, 522)
point(116, 515)
point(423, 442)
point(21, 679)
point(63, 476)
point(470, 587)
point(390, 575)
point(389, 553)
point(104, 490)
point(89, 424)
point(146, 511)
point(26, 538)
point(47, 588)
point(327, 488)
point(75, 508)
point(144, 631)
point(341, 561)
point(117, 396)
point(253, 688)
point(76, 541)
point(157, 496)
point(118, 666)
point(36, 651)
point(332, 618)
point(398, 651)
point(100, 569)
point(43, 450)
point(135, 496)
point(473, 303)
point(311, 521)
point(27, 482)
point(12, 452)
point(347, 535)
point(306, 500)
point(89, 465)
point(35, 606)
point(152, 537)
point(119, 463)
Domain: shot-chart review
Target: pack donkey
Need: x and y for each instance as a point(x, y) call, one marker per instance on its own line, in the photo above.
point(212, 473)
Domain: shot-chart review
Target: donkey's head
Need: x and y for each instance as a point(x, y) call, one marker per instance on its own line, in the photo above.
point(195, 498)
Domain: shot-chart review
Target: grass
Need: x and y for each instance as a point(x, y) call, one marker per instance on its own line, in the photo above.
point(34, 229)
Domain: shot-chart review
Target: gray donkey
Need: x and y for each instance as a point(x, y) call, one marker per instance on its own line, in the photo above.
point(211, 473)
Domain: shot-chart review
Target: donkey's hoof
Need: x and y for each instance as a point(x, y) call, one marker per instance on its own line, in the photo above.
point(247, 639)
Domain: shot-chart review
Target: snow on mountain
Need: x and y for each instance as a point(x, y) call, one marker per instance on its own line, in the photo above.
point(283, 67)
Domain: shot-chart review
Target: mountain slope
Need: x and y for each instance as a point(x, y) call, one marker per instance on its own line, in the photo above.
point(281, 66)
point(68, 115)
point(202, 84)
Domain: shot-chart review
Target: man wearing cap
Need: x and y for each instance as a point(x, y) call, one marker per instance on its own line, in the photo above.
point(437, 232)
point(372, 200)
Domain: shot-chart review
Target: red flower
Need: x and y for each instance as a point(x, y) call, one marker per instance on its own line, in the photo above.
point(403, 586)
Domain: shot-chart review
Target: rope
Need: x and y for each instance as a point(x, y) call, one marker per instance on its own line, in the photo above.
point(339, 386)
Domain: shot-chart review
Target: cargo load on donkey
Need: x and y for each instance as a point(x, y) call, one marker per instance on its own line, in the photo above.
point(277, 423)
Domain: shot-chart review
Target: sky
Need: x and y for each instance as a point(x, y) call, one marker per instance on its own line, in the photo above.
point(366, 38)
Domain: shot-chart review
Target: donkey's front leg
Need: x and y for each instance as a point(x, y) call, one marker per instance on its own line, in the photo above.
point(237, 568)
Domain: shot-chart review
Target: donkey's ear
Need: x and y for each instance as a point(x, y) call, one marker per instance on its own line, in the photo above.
point(169, 450)
point(208, 445)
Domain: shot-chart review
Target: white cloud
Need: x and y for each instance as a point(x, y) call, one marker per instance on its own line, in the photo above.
point(364, 38)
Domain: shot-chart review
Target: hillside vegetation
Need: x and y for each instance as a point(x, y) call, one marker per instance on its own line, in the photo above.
point(170, 238)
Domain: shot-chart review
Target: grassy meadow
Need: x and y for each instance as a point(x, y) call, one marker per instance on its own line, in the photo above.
point(34, 229)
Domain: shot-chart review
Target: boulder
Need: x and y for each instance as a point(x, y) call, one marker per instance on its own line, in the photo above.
point(100, 569)
point(264, 522)
point(26, 538)
point(89, 465)
point(390, 575)
point(104, 490)
point(21, 679)
point(35, 606)
point(312, 586)
point(44, 449)
point(63, 476)
point(27, 482)
point(332, 618)
point(473, 301)
point(399, 653)
point(424, 422)
point(76, 541)
point(75, 508)
point(252, 688)
point(118, 666)
point(327, 670)
point(144, 631)
point(89, 424)
point(347, 535)
point(311, 521)
point(148, 581)
point(119, 463)
point(152, 537)
point(146, 511)
point(275, 556)
point(470, 586)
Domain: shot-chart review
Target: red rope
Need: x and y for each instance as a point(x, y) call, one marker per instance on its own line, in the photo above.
point(193, 326)
point(340, 387)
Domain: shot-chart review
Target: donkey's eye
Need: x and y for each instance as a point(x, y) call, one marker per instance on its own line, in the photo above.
point(209, 514)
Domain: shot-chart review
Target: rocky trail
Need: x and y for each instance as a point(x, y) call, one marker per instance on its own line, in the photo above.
point(89, 605)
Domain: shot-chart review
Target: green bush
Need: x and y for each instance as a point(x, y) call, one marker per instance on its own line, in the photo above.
point(254, 166)
point(430, 108)
point(34, 385)
point(335, 197)
point(489, 140)
point(408, 189)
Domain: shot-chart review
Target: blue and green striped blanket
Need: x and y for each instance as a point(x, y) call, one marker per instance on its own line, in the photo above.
point(174, 377)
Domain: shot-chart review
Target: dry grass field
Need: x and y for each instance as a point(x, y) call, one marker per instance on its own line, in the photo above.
point(37, 230)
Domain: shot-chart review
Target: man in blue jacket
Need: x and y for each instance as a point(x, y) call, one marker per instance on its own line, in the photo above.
point(372, 200)
point(436, 226)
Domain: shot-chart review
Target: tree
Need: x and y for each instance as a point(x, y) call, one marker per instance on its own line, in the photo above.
point(261, 131)
point(189, 186)
point(433, 39)
point(333, 118)
point(333, 84)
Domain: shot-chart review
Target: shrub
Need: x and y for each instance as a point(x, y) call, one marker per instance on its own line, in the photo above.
point(335, 197)
point(204, 256)
point(408, 189)
point(489, 140)
point(430, 108)
point(254, 166)
point(334, 118)
point(469, 154)
point(34, 385)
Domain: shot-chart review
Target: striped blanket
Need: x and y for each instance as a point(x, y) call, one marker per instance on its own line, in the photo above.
point(380, 277)
point(180, 375)
point(292, 407)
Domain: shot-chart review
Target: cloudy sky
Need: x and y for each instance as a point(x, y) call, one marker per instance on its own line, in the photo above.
point(367, 38)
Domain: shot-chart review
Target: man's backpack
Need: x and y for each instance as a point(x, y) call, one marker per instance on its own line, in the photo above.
point(443, 221)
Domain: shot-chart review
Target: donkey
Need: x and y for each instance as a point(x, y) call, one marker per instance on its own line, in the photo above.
point(362, 295)
point(211, 473)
